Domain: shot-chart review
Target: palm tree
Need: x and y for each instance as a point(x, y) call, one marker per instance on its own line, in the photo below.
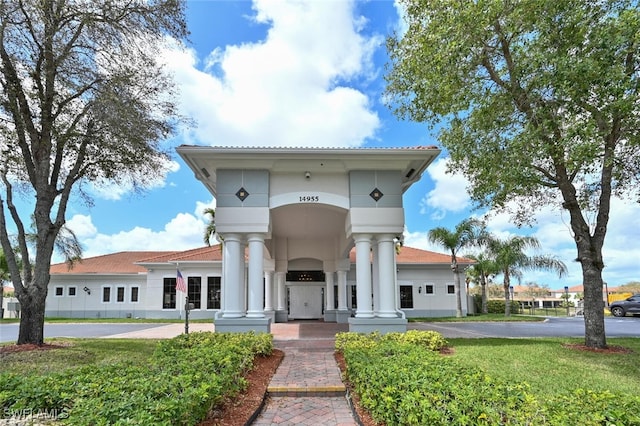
point(511, 259)
point(66, 243)
point(466, 233)
point(480, 272)
point(210, 230)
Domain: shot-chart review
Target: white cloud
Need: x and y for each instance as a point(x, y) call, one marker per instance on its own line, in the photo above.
point(82, 226)
point(449, 193)
point(287, 90)
point(182, 232)
point(402, 26)
point(552, 228)
point(621, 250)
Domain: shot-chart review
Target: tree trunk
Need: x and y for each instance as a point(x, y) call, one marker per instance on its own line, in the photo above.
point(31, 318)
point(594, 332)
point(507, 301)
point(458, 293)
point(485, 307)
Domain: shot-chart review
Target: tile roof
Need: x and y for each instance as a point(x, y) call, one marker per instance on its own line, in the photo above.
point(123, 262)
point(201, 254)
point(580, 288)
point(131, 262)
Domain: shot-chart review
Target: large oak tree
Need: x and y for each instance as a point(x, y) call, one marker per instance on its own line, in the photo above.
point(84, 100)
point(539, 105)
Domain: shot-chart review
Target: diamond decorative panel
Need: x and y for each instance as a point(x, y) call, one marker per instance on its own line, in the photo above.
point(242, 194)
point(376, 194)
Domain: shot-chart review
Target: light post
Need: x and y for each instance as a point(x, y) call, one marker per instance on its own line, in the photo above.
point(187, 307)
point(566, 298)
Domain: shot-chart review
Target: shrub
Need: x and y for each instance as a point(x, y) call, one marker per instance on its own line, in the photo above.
point(408, 384)
point(183, 380)
point(430, 340)
point(495, 306)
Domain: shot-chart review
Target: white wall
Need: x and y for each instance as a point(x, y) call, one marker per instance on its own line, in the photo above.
point(155, 284)
point(89, 303)
point(440, 303)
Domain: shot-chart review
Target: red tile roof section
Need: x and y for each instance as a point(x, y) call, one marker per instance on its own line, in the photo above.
point(123, 262)
point(128, 262)
point(202, 254)
point(416, 256)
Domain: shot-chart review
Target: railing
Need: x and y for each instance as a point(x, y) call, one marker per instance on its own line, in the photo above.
point(559, 311)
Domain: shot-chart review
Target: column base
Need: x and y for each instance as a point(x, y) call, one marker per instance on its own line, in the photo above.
point(381, 325)
point(342, 317)
point(282, 316)
point(271, 315)
point(242, 325)
point(330, 315)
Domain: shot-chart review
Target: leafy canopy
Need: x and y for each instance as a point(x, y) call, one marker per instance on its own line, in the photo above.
point(534, 95)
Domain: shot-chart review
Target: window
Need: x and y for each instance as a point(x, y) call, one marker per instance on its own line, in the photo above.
point(451, 289)
point(428, 289)
point(169, 293)
point(59, 291)
point(120, 294)
point(71, 291)
point(194, 288)
point(213, 292)
point(134, 294)
point(406, 296)
point(106, 294)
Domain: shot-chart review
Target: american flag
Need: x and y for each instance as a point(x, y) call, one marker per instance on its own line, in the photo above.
point(180, 284)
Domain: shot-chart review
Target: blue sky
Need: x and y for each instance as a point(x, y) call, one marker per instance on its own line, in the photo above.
point(306, 73)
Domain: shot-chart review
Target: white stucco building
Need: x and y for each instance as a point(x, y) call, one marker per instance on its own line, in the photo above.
point(142, 284)
point(307, 233)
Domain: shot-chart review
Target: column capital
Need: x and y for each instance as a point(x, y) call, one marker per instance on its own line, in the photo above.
point(343, 265)
point(361, 237)
point(385, 237)
point(232, 237)
point(256, 237)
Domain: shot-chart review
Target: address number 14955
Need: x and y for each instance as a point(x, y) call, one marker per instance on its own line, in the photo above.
point(309, 198)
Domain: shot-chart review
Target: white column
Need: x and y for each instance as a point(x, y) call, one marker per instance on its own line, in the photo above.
point(342, 290)
point(242, 273)
point(375, 278)
point(280, 281)
point(256, 274)
point(233, 260)
point(363, 276)
point(268, 291)
point(330, 295)
point(387, 276)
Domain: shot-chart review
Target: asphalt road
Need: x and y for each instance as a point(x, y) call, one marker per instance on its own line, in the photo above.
point(9, 332)
point(552, 327)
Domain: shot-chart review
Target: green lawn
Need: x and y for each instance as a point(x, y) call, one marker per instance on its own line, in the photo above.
point(78, 353)
point(113, 320)
point(549, 367)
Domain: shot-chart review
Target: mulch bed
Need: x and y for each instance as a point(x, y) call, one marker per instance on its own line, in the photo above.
point(237, 411)
point(11, 349)
point(611, 349)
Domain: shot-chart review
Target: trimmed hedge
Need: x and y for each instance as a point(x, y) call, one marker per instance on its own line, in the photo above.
point(401, 383)
point(497, 307)
point(185, 378)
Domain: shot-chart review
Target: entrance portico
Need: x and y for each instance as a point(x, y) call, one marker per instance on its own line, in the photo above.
point(297, 214)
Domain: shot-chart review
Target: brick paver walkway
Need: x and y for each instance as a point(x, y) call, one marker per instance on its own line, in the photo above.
point(307, 389)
